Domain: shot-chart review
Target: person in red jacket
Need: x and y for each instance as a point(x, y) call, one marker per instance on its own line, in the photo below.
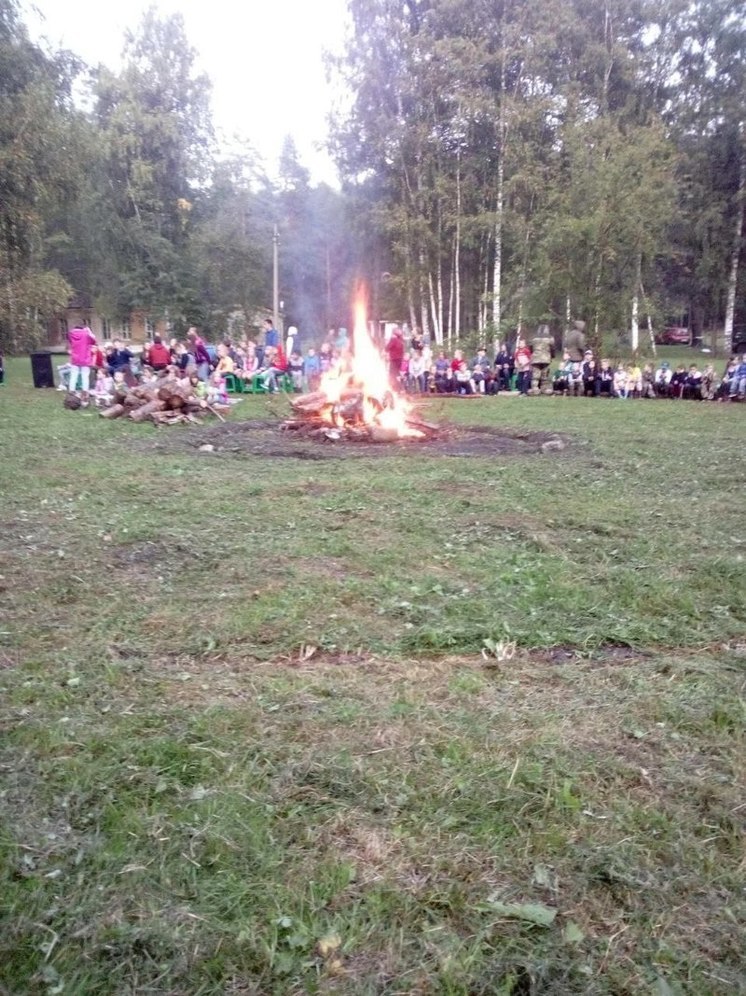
point(277, 365)
point(395, 353)
point(158, 356)
point(98, 357)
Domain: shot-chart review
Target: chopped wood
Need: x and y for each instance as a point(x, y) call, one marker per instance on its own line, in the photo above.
point(214, 410)
point(144, 411)
point(116, 411)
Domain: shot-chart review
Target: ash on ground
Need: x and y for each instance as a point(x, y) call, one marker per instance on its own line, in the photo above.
point(262, 437)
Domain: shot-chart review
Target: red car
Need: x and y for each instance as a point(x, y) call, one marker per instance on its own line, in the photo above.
point(675, 335)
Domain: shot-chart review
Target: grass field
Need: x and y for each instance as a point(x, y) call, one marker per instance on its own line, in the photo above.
point(396, 724)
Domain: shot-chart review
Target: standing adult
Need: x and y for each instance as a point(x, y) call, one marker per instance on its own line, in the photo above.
point(395, 353)
point(199, 351)
point(292, 343)
point(81, 342)
point(542, 351)
point(575, 341)
point(271, 335)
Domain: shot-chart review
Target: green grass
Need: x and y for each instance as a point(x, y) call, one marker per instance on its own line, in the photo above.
point(246, 710)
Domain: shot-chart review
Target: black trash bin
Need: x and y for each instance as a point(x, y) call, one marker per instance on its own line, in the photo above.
point(41, 368)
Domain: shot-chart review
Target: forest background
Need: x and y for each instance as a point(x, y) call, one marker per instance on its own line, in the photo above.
point(502, 164)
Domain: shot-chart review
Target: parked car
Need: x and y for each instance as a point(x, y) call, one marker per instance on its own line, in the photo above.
point(674, 335)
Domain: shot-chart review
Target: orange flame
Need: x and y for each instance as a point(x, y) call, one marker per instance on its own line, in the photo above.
point(366, 370)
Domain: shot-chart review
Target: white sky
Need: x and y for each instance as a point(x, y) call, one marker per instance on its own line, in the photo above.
point(264, 58)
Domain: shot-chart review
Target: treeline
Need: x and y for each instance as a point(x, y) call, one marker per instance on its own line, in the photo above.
point(504, 162)
point(523, 161)
point(123, 199)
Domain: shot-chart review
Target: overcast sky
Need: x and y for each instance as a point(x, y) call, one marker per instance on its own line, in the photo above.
point(264, 58)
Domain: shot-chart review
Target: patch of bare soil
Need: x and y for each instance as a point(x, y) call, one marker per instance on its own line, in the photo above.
point(262, 437)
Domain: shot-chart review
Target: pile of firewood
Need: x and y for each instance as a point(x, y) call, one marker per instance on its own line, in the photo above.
point(165, 403)
point(317, 416)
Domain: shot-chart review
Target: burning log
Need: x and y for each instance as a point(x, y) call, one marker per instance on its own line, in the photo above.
point(428, 429)
point(356, 401)
point(306, 401)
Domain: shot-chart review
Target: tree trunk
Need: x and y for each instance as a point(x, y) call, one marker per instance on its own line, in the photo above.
point(452, 295)
point(522, 283)
point(486, 285)
point(424, 320)
point(735, 256)
point(651, 333)
point(457, 253)
point(498, 261)
point(439, 280)
point(635, 325)
point(499, 206)
point(433, 307)
point(596, 338)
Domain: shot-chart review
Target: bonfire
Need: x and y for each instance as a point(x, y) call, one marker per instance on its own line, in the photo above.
point(355, 399)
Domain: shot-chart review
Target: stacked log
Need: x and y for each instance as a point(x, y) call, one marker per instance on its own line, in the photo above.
point(166, 402)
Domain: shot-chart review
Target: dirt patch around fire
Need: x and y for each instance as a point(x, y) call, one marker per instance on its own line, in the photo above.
point(263, 437)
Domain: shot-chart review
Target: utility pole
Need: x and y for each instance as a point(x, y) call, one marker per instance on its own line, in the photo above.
point(275, 278)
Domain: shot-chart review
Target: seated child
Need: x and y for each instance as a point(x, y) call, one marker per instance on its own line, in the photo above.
point(296, 369)
point(463, 378)
point(199, 388)
point(621, 382)
point(663, 377)
point(709, 382)
point(575, 379)
point(693, 385)
point(63, 372)
point(481, 371)
point(648, 382)
point(119, 383)
point(417, 373)
point(590, 372)
point(634, 381)
point(312, 369)
point(561, 379)
point(678, 382)
point(723, 391)
point(738, 380)
point(225, 364)
point(103, 388)
point(216, 392)
point(605, 379)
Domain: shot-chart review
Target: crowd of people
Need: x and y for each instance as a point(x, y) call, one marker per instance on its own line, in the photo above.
point(520, 370)
point(413, 368)
point(94, 372)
